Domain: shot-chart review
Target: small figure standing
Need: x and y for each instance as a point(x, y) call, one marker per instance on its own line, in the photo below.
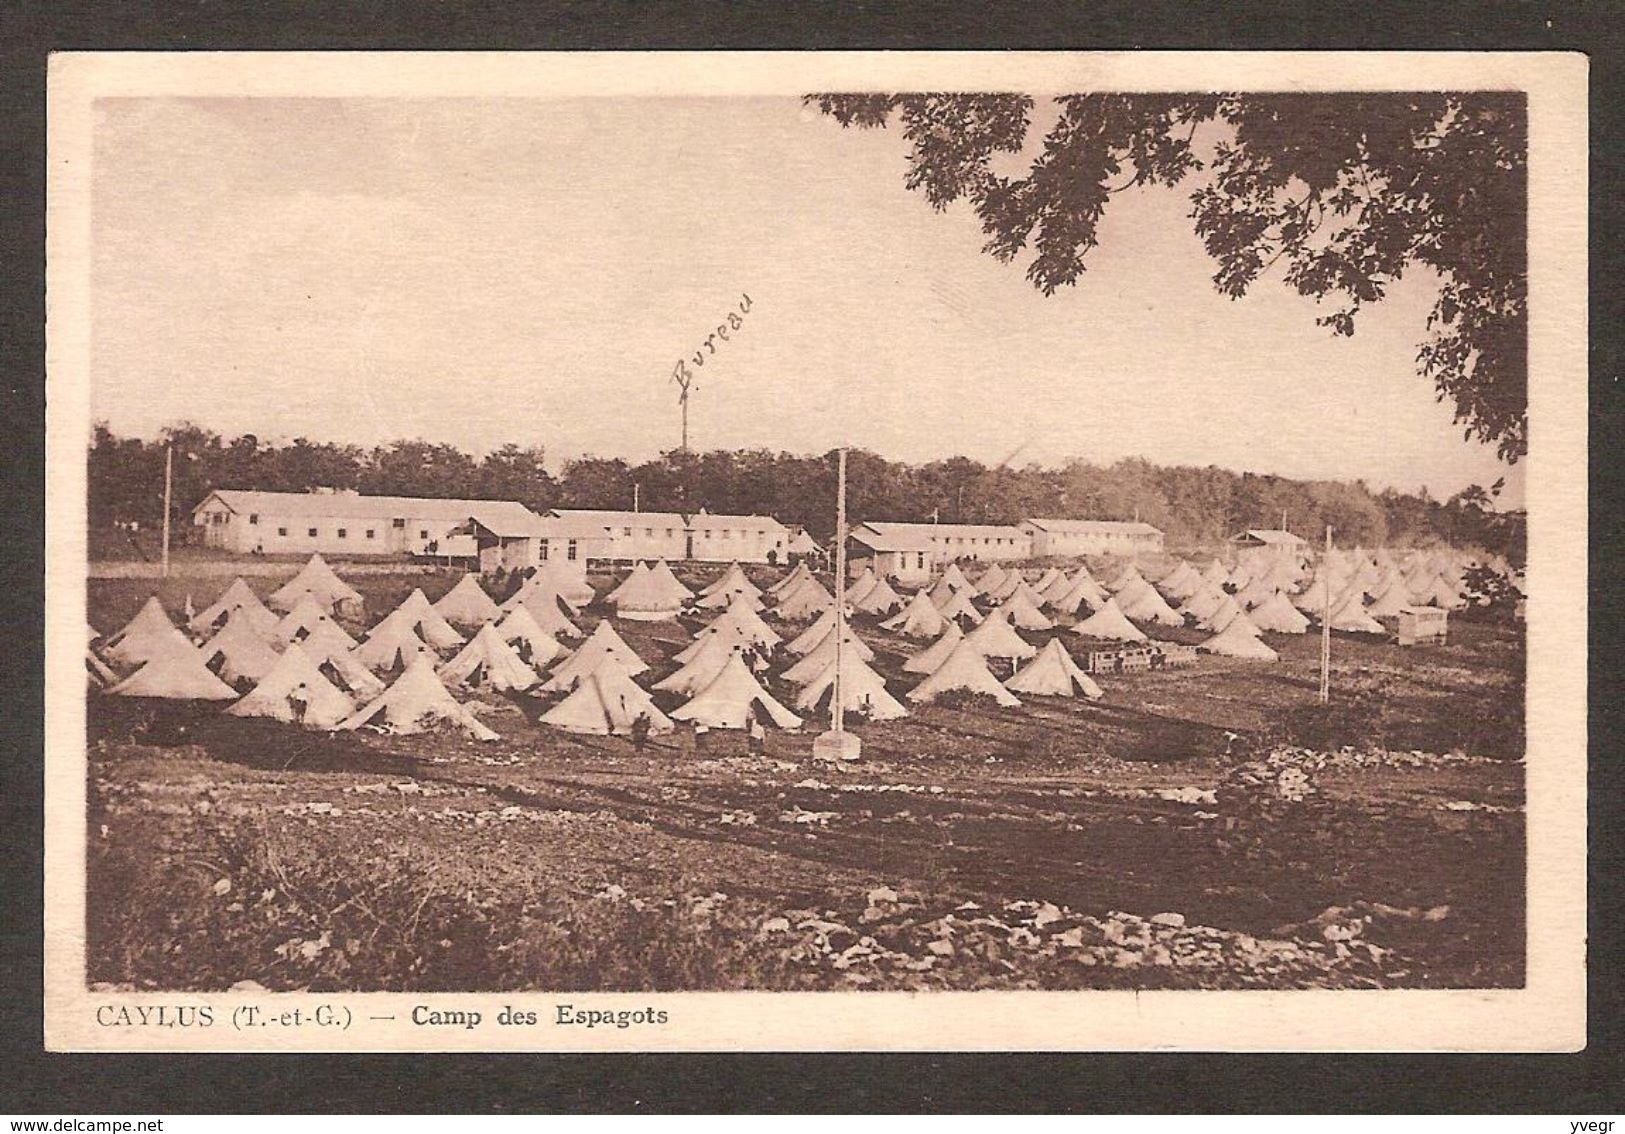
point(640, 731)
point(757, 735)
point(701, 737)
point(299, 699)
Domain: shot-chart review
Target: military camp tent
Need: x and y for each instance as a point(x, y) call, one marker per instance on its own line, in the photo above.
point(920, 619)
point(467, 604)
point(606, 702)
point(415, 702)
point(317, 580)
point(1109, 623)
point(489, 662)
point(928, 659)
point(731, 698)
point(237, 652)
point(1053, 673)
point(294, 690)
point(863, 692)
point(965, 668)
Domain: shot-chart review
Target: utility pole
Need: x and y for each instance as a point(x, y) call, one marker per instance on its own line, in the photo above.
point(169, 481)
point(837, 743)
point(1326, 621)
point(635, 487)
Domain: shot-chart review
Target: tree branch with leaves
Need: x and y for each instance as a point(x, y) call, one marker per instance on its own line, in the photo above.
point(1347, 191)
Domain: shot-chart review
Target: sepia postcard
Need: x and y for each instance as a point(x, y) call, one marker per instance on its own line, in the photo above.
point(797, 551)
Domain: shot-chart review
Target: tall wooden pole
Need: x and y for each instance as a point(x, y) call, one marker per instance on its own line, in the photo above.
point(1326, 622)
point(169, 481)
point(837, 709)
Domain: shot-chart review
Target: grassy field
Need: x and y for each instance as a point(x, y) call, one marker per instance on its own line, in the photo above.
point(1208, 827)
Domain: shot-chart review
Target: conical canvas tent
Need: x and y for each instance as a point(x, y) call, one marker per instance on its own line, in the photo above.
point(803, 601)
point(237, 597)
point(804, 642)
point(878, 599)
point(295, 691)
point(1084, 592)
point(1012, 582)
point(674, 588)
point(928, 659)
point(467, 604)
point(793, 579)
point(718, 600)
point(1215, 573)
point(1445, 595)
point(862, 585)
point(1108, 623)
point(1312, 600)
point(567, 579)
point(822, 654)
point(1255, 593)
point(237, 652)
point(863, 692)
point(1390, 601)
point(487, 661)
point(961, 607)
point(306, 617)
point(1129, 577)
point(606, 702)
point(393, 644)
point(741, 615)
point(422, 616)
point(734, 578)
point(1048, 579)
point(1055, 589)
point(991, 579)
point(1279, 616)
point(965, 668)
point(920, 619)
point(147, 636)
point(415, 702)
point(1221, 615)
point(702, 668)
point(546, 612)
point(175, 671)
point(942, 592)
point(731, 698)
point(726, 632)
point(955, 578)
point(643, 598)
point(1350, 617)
point(535, 646)
point(1239, 639)
point(326, 649)
point(996, 638)
point(1180, 583)
point(1024, 613)
point(1203, 603)
point(1053, 673)
point(317, 580)
point(602, 643)
point(539, 591)
point(1148, 606)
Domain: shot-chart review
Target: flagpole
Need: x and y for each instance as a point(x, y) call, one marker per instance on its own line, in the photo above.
point(837, 743)
point(836, 708)
point(1326, 622)
point(169, 480)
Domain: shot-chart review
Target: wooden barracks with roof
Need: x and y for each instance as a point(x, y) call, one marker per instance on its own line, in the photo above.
point(498, 533)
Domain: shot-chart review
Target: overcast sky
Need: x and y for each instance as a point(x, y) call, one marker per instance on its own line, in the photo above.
point(528, 270)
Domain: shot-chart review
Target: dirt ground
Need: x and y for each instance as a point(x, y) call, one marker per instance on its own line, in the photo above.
point(1204, 827)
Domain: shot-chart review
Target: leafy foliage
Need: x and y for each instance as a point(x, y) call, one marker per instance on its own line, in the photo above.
point(1194, 506)
point(1346, 191)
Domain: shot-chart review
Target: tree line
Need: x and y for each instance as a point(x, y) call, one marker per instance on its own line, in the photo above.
point(1194, 506)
